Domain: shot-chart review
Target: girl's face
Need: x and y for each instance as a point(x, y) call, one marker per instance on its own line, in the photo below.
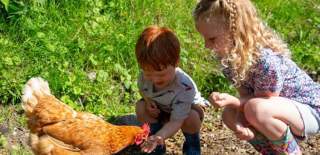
point(160, 79)
point(216, 34)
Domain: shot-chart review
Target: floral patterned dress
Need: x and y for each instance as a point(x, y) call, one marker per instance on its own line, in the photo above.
point(277, 73)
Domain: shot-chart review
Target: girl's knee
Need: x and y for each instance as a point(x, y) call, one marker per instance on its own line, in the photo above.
point(256, 109)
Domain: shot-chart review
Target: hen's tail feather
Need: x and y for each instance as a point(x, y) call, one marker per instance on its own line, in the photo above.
point(40, 145)
point(34, 88)
point(47, 145)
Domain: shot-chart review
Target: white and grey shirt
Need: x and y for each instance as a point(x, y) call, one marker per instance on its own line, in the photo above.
point(176, 98)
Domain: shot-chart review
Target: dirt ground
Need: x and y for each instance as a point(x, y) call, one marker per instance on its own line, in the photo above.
point(215, 139)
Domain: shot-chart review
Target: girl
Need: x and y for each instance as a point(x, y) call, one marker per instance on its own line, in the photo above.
point(277, 98)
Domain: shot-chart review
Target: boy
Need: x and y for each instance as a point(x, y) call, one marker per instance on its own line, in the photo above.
point(171, 100)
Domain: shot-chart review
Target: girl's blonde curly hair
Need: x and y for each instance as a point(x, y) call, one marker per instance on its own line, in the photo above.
point(249, 34)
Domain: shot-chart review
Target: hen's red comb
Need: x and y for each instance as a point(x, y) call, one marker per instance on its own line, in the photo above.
point(146, 128)
point(144, 135)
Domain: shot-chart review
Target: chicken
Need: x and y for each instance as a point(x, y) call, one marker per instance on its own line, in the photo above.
point(57, 129)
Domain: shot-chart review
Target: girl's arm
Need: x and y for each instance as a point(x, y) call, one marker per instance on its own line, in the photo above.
point(266, 94)
point(244, 97)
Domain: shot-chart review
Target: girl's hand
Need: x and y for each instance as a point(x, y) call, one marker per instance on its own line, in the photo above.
point(151, 143)
point(243, 129)
point(152, 109)
point(219, 100)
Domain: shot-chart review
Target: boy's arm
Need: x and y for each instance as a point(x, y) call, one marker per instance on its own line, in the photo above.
point(180, 111)
point(181, 108)
point(169, 129)
point(165, 132)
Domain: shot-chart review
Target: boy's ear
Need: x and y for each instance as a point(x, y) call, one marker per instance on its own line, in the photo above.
point(178, 61)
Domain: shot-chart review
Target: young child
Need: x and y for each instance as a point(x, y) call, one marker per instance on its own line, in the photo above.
point(277, 98)
point(171, 100)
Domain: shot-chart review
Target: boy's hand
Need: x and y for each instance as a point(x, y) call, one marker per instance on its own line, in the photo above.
point(151, 143)
point(219, 100)
point(152, 109)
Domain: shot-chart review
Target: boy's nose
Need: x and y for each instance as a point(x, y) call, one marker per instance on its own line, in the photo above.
point(156, 80)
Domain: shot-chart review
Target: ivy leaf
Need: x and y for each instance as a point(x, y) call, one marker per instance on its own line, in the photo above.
point(102, 76)
point(8, 61)
point(77, 91)
point(92, 60)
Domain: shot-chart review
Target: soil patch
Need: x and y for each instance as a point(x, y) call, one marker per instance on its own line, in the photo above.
point(215, 139)
point(218, 139)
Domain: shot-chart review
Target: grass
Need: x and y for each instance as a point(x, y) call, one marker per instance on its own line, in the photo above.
point(67, 41)
point(299, 24)
point(11, 122)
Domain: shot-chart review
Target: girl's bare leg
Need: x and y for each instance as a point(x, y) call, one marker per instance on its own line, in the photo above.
point(272, 116)
point(235, 120)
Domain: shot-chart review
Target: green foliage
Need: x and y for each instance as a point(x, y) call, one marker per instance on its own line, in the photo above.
point(299, 24)
point(3, 141)
point(5, 3)
point(85, 48)
point(66, 41)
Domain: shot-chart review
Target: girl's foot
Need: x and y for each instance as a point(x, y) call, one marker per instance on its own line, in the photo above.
point(287, 145)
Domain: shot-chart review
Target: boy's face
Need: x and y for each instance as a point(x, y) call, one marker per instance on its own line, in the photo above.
point(160, 79)
point(215, 33)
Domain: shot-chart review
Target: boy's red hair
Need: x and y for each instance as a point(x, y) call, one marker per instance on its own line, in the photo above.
point(157, 48)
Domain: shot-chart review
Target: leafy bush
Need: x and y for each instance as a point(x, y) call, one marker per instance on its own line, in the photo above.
point(85, 48)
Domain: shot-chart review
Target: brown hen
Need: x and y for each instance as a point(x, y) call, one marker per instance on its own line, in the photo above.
point(57, 129)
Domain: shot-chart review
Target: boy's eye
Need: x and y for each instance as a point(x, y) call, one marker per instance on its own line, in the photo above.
point(147, 75)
